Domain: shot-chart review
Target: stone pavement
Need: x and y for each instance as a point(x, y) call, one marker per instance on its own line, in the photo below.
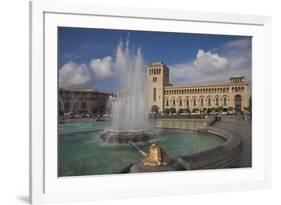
point(242, 128)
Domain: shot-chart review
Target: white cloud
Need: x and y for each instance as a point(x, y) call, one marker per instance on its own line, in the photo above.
point(102, 68)
point(72, 74)
point(208, 62)
point(210, 67)
point(244, 43)
point(181, 73)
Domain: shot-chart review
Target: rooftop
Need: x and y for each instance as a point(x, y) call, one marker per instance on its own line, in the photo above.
point(205, 85)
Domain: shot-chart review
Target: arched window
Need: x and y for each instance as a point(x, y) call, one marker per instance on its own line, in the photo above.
point(180, 102)
point(83, 106)
point(194, 102)
point(174, 102)
point(202, 102)
point(187, 102)
point(217, 101)
point(238, 102)
point(167, 102)
point(209, 101)
point(224, 101)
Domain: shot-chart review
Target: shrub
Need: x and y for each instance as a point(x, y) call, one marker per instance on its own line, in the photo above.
point(195, 110)
point(173, 110)
point(167, 110)
point(225, 109)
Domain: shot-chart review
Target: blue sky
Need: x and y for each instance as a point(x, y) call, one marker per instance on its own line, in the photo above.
point(86, 56)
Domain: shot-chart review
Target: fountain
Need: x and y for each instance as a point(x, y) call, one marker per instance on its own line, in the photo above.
point(128, 109)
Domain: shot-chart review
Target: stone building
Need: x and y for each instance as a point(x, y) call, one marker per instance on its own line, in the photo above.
point(163, 95)
point(82, 100)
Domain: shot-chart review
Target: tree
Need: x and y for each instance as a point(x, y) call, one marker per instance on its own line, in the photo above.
point(167, 111)
point(250, 104)
point(195, 110)
point(225, 109)
point(181, 110)
point(204, 109)
point(220, 109)
point(230, 108)
point(187, 110)
point(173, 110)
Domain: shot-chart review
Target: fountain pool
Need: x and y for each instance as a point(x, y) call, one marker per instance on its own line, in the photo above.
point(82, 152)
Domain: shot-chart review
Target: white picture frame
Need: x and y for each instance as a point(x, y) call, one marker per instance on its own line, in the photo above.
point(46, 187)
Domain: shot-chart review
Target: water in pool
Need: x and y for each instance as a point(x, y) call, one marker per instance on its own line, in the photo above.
point(82, 153)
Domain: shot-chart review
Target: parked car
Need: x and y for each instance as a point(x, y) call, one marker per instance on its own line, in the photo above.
point(195, 113)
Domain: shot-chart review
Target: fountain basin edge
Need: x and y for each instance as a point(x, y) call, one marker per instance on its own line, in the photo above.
point(223, 156)
point(111, 136)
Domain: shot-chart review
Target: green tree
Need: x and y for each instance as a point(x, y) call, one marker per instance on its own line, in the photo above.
point(173, 110)
point(181, 110)
point(230, 108)
point(167, 111)
point(250, 104)
point(195, 110)
point(220, 109)
point(225, 109)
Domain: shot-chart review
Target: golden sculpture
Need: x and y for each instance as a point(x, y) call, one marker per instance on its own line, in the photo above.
point(156, 157)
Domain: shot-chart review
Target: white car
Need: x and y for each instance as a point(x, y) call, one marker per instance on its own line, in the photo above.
point(195, 113)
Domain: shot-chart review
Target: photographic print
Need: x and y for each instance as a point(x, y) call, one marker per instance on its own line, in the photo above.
point(147, 101)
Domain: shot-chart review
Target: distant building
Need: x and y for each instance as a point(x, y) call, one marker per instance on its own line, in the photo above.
point(162, 94)
point(82, 100)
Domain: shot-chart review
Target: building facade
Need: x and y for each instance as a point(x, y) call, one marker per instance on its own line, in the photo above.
point(163, 95)
point(82, 100)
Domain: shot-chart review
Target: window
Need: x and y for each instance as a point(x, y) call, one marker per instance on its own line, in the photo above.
point(154, 94)
point(217, 101)
point(187, 102)
point(174, 102)
point(167, 102)
point(194, 102)
point(154, 79)
point(202, 102)
point(209, 101)
point(224, 101)
point(180, 102)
